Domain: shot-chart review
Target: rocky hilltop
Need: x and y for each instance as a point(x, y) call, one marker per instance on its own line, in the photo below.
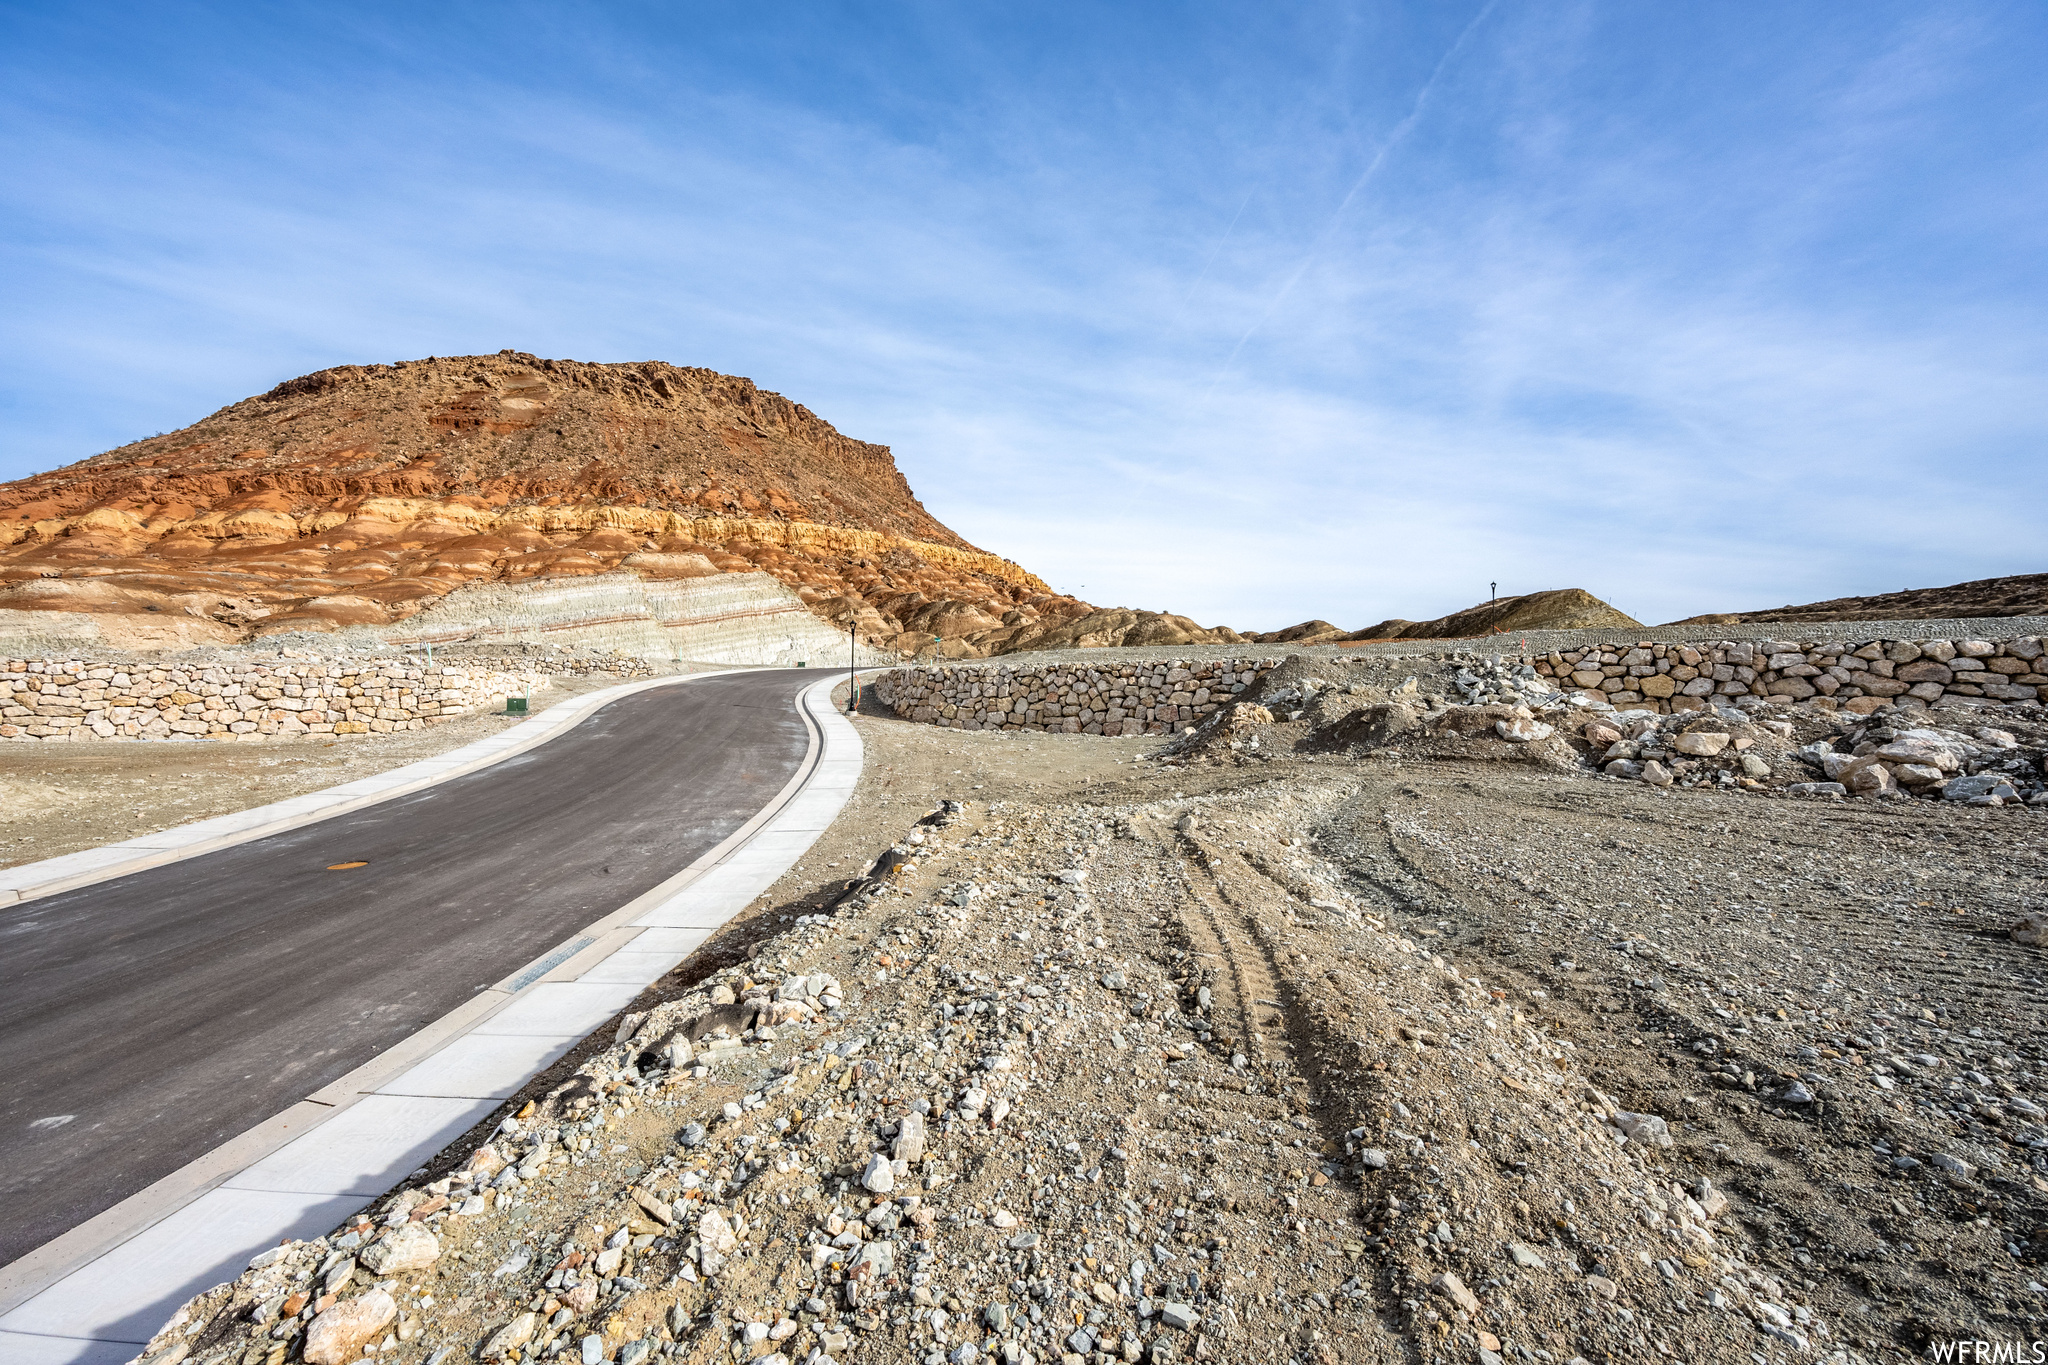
point(2016, 595)
point(355, 499)
point(1557, 609)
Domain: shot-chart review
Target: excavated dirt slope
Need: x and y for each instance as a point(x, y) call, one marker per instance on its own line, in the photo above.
point(1319, 1057)
point(357, 496)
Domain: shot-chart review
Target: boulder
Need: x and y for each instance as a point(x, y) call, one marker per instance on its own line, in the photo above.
point(340, 1333)
point(1978, 787)
point(408, 1247)
point(508, 1338)
point(1816, 789)
point(714, 1232)
point(1453, 1288)
point(909, 1144)
point(1647, 1129)
point(1931, 753)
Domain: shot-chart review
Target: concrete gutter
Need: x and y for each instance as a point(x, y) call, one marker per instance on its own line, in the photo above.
point(95, 1295)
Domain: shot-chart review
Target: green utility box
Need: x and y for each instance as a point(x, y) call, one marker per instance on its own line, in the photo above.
point(515, 706)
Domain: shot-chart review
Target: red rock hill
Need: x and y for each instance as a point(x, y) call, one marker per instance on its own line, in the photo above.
point(358, 495)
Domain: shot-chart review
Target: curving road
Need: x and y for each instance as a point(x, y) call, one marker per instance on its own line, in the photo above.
point(145, 1020)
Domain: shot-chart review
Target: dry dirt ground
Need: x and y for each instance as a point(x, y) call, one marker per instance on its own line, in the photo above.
point(60, 798)
point(1343, 1059)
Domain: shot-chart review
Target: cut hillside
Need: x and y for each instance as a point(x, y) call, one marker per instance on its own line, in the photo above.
point(1557, 609)
point(2017, 595)
point(449, 498)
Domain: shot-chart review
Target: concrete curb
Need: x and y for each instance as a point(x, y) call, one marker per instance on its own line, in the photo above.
point(95, 1295)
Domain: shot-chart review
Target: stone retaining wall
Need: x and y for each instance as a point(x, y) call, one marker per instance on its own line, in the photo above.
point(1540, 642)
point(624, 667)
point(1125, 697)
point(1856, 675)
point(79, 699)
point(1074, 699)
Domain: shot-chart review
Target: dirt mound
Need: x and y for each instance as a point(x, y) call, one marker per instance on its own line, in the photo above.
point(1557, 609)
point(360, 495)
point(2018, 595)
point(1307, 633)
point(1114, 627)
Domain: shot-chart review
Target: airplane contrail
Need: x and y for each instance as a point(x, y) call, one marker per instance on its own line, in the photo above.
point(1394, 139)
point(1218, 251)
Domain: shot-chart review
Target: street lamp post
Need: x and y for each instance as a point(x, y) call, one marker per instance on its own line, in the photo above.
point(852, 685)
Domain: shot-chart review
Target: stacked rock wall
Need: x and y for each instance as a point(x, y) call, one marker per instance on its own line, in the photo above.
point(1125, 697)
point(1857, 675)
point(622, 666)
point(1074, 699)
point(79, 699)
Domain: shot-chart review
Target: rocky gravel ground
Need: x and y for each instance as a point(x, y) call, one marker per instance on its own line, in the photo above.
point(1447, 1049)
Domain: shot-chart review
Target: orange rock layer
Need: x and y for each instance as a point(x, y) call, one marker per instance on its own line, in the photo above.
point(357, 496)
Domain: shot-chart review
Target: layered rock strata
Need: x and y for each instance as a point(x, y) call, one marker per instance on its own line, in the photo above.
point(361, 496)
point(732, 618)
point(78, 699)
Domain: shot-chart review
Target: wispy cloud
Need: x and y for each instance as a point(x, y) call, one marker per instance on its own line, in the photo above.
point(1639, 304)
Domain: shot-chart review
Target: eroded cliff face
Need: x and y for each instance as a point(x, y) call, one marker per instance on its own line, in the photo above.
point(354, 498)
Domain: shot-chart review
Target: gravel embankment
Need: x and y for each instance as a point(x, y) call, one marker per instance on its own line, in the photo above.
point(1307, 1057)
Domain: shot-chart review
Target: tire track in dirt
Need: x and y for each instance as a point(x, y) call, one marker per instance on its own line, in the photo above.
point(1224, 913)
point(1207, 936)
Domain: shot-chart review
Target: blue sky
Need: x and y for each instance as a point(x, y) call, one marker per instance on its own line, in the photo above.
point(1256, 313)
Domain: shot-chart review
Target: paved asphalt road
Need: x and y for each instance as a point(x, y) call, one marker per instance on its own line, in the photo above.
point(167, 1011)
